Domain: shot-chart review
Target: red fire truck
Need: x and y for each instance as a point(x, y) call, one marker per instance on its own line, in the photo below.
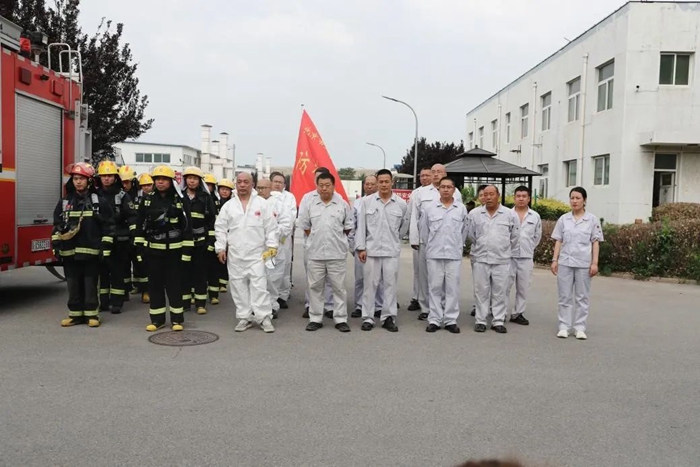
point(43, 129)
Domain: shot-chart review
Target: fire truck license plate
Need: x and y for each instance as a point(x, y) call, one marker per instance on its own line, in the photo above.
point(41, 245)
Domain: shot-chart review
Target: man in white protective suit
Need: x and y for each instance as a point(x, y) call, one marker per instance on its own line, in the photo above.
point(279, 185)
point(246, 236)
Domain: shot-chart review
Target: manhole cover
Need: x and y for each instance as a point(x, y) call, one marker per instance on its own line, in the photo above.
point(183, 338)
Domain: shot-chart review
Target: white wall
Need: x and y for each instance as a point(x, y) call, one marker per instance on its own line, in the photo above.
point(179, 155)
point(634, 37)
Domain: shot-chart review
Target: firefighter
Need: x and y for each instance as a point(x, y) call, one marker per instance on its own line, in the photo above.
point(164, 241)
point(130, 185)
point(203, 216)
point(212, 262)
point(226, 188)
point(112, 289)
point(140, 269)
point(82, 237)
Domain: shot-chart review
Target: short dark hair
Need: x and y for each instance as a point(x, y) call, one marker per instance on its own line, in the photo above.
point(326, 176)
point(581, 190)
point(385, 172)
point(522, 188)
point(321, 170)
point(480, 188)
point(448, 178)
point(427, 168)
point(277, 174)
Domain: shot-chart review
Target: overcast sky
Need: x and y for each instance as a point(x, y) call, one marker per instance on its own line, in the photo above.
point(245, 67)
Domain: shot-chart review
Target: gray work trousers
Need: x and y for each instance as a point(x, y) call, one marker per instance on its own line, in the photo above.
point(490, 286)
point(321, 273)
point(380, 270)
point(360, 287)
point(443, 277)
point(520, 277)
point(574, 287)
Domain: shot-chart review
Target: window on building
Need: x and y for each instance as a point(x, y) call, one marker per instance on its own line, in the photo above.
point(508, 127)
point(157, 158)
point(674, 69)
point(139, 157)
point(601, 170)
point(471, 140)
point(481, 137)
point(166, 158)
point(605, 86)
point(665, 161)
point(546, 111)
point(524, 111)
point(544, 180)
point(570, 168)
point(574, 99)
point(494, 134)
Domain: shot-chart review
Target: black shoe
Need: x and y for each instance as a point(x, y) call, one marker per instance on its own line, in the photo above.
point(342, 327)
point(328, 314)
point(377, 313)
point(480, 328)
point(422, 316)
point(283, 303)
point(473, 313)
point(116, 310)
point(367, 326)
point(275, 314)
point(432, 328)
point(499, 329)
point(453, 328)
point(414, 305)
point(520, 319)
point(306, 313)
point(356, 314)
point(314, 326)
point(398, 306)
point(389, 325)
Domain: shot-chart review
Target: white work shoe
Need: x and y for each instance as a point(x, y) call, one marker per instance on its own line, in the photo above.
point(563, 334)
point(243, 325)
point(581, 335)
point(267, 326)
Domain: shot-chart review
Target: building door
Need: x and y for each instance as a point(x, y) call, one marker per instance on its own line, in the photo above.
point(664, 179)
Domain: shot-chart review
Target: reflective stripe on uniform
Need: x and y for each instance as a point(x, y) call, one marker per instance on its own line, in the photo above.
point(165, 246)
point(80, 214)
point(196, 215)
point(67, 252)
point(139, 240)
point(73, 314)
point(108, 239)
point(177, 311)
point(91, 313)
point(210, 248)
point(173, 220)
point(213, 288)
point(212, 233)
point(200, 296)
point(186, 258)
point(157, 311)
point(55, 237)
point(187, 296)
point(223, 282)
point(132, 227)
point(104, 291)
point(188, 243)
point(105, 253)
point(117, 291)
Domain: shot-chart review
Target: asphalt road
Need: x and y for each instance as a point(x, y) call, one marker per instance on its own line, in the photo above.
point(629, 396)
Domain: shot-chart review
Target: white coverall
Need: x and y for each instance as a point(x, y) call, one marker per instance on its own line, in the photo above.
point(327, 250)
point(379, 230)
point(446, 231)
point(493, 241)
point(424, 196)
point(327, 292)
point(522, 263)
point(245, 235)
point(414, 255)
point(285, 225)
point(289, 201)
point(573, 277)
point(360, 268)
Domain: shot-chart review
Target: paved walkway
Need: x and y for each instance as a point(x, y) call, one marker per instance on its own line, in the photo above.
point(628, 396)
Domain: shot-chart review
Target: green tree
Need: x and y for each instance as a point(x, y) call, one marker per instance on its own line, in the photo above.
point(347, 173)
point(430, 154)
point(110, 85)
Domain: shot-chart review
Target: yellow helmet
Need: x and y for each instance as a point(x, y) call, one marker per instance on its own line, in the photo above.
point(163, 171)
point(127, 173)
point(226, 182)
point(193, 171)
point(107, 168)
point(209, 178)
point(145, 179)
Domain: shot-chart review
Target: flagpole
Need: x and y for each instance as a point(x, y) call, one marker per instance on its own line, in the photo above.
point(415, 141)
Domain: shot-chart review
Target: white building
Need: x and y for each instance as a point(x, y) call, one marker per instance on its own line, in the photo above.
point(143, 157)
point(218, 157)
point(615, 111)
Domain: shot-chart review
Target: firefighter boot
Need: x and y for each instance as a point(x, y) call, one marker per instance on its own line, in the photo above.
point(145, 298)
point(72, 321)
point(154, 327)
point(201, 310)
point(177, 327)
point(214, 301)
point(93, 321)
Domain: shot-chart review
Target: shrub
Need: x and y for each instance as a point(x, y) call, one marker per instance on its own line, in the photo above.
point(666, 249)
point(550, 209)
point(676, 212)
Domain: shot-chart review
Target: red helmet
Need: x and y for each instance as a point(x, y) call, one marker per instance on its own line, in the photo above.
point(82, 168)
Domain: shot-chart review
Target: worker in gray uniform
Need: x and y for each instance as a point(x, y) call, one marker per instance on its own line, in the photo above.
point(378, 242)
point(426, 178)
point(495, 233)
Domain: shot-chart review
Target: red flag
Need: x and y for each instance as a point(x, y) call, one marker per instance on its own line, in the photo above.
point(311, 154)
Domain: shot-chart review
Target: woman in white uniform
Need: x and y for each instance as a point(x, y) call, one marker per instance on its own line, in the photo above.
point(575, 262)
